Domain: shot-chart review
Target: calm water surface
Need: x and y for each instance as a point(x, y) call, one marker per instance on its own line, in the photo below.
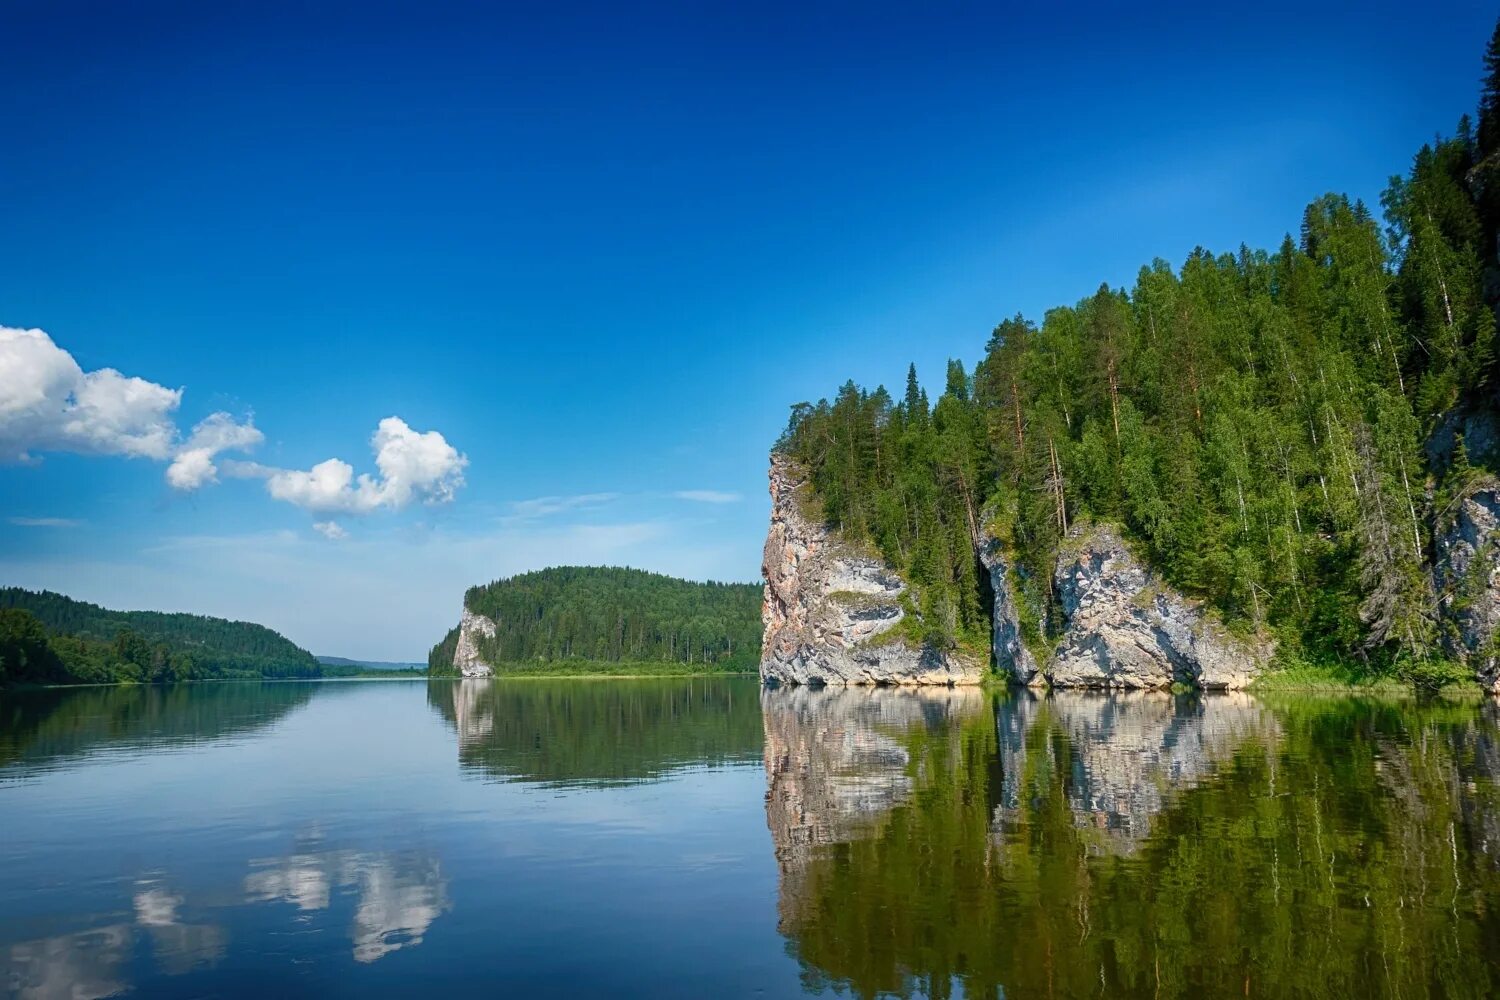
point(706, 838)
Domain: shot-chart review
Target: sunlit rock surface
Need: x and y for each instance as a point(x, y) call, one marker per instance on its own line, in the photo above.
point(466, 658)
point(1124, 628)
point(830, 609)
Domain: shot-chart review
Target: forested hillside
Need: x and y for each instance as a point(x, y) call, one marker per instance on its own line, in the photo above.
point(1278, 430)
point(592, 614)
point(48, 638)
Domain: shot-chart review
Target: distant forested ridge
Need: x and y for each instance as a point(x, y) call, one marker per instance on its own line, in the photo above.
point(1279, 431)
point(342, 666)
point(592, 614)
point(49, 638)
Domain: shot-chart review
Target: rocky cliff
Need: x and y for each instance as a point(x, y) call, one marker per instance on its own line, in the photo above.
point(1123, 628)
point(1467, 573)
point(1012, 659)
point(466, 658)
point(832, 611)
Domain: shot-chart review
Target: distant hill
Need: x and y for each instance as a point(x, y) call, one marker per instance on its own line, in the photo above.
point(341, 666)
point(569, 617)
point(47, 637)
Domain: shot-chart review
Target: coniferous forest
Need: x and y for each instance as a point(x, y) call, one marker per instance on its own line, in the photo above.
point(1278, 430)
point(46, 638)
point(609, 615)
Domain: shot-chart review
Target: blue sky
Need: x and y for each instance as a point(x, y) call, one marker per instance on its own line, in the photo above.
point(587, 256)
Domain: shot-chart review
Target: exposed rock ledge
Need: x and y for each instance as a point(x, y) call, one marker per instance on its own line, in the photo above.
point(1125, 629)
point(1012, 658)
point(466, 658)
point(829, 608)
point(1468, 578)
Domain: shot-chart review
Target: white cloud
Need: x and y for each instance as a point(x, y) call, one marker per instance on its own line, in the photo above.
point(193, 465)
point(49, 403)
point(45, 522)
point(537, 507)
point(413, 465)
point(708, 496)
point(330, 530)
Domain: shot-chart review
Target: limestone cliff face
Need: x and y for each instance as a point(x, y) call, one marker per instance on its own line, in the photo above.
point(466, 658)
point(1122, 628)
point(1468, 578)
point(1012, 659)
point(829, 608)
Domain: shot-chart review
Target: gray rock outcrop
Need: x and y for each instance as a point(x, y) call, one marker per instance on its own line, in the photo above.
point(466, 658)
point(1122, 628)
point(1012, 659)
point(830, 609)
point(1468, 578)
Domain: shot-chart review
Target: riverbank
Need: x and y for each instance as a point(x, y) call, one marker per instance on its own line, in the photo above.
point(598, 669)
point(1436, 680)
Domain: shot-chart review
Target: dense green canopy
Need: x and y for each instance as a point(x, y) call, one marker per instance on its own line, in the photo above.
point(1280, 430)
point(48, 638)
point(599, 614)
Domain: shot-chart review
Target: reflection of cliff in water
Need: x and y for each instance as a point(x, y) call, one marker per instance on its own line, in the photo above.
point(599, 732)
point(1130, 753)
point(1138, 846)
point(42, 729)
point(838, 759)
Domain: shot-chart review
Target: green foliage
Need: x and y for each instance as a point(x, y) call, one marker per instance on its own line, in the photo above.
point(581, 732)
point(1255, 421)
point(46, 638)
point(578, 617)
point(440, 657)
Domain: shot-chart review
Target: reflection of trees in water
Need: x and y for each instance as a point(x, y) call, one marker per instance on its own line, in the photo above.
point(599, 732)
point(43, 728)
point(398, 896)
point(1162, 847)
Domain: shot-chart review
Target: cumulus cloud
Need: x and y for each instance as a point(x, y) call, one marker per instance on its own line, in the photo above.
point(707, 496)
point(413, 465)
point(193, 465)
point(330, 530)
point(49, 403)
